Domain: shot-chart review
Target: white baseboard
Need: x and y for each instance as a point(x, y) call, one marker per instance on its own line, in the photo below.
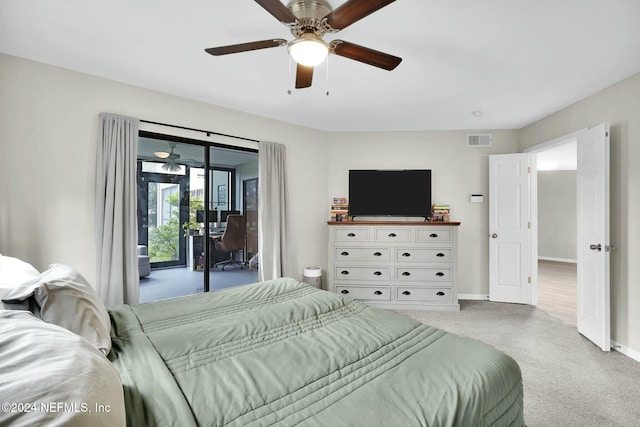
point(548, 258)
point(474, 297)
point(635, 355)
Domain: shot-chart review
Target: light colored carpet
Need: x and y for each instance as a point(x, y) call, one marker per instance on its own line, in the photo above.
point(568, 381)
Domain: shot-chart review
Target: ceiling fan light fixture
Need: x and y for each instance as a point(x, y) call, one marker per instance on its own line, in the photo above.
point(308, 50)
point(161, 154)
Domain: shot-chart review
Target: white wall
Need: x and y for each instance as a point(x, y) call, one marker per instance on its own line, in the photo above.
point(48, 133)
point(457, 172)
point(620, 106)
point(557, 215)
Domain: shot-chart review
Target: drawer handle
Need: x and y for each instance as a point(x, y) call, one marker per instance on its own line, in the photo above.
point(377, 273)
point(406, 293)
point(406, 273)
point(440, 294)
point(393, 235)
point(344, 291)
point(406, 254)
point(439, 274)
point(351, 235)
point(377, 254)
point(433, 235)
point(377, 293)
point(440, 254)
point(345, 272)
point(345, 253)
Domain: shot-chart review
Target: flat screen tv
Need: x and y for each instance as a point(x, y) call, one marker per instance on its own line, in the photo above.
point(390, 192)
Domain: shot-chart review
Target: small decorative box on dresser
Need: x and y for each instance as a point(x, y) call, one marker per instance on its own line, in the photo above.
point(395, 265)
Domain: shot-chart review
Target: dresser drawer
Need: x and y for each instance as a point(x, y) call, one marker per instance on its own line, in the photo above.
point(392, 235)
point(362, 254)
point(424, 274)
point(407, 293)
point(351, 234)
point(365, 292)
point(362, 273)
point(423, 255)
point(434, 234)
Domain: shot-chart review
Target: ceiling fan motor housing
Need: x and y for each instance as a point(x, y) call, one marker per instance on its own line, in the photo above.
point(313, 9)
point(310, 14)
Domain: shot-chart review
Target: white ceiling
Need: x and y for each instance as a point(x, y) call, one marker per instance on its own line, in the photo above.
point(515, 61)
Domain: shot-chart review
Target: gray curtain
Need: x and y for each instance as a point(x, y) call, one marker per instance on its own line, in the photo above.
point(116, 210)
point(275, 244)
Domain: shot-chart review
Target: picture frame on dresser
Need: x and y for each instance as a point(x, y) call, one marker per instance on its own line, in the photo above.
point(395, 264)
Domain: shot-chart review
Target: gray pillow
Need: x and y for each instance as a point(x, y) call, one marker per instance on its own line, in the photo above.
point(66, 299)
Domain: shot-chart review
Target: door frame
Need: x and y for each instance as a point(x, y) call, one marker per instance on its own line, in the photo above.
point(143, 180)
point(533, 151)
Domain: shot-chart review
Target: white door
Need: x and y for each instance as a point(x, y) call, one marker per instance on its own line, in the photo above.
point(509, 228)
point(593, 236)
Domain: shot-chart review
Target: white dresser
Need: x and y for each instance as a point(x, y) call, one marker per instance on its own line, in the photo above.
point(395, 265)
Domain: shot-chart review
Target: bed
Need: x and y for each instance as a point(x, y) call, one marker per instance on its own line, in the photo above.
point(284, 353)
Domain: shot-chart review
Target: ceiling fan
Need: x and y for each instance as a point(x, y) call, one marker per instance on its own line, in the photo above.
point(309, 21)
point(171, 159)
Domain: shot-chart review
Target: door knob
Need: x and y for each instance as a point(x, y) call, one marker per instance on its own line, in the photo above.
point(494, 236)
point(597, 247)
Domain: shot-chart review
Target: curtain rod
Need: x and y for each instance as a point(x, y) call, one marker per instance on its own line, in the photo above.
point(207, 132)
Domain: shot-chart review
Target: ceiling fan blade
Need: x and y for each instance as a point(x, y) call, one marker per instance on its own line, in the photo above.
point(353, 11)
point(365, 54)
point(304, 76)
point(245, 47)
point(278, 10)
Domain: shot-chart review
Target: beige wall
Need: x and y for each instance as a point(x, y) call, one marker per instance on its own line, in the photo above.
point(48, 128)
point(557, 215)
point(620, 106)
point(457, 172)
point(48, 131)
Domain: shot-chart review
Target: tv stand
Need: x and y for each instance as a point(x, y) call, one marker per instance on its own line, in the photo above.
point(410, 265)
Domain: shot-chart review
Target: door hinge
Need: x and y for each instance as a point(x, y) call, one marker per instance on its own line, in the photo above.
point(529, 279)
point(528, 169)
point(529, 225)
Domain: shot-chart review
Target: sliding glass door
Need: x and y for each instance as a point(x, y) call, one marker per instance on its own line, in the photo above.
point(186, 191)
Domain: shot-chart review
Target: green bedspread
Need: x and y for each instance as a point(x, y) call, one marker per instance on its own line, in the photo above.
point(284, 353)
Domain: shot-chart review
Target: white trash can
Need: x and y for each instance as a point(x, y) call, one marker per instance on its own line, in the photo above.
point(313, 276)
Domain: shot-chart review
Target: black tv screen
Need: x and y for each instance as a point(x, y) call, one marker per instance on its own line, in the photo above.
point(390, 192)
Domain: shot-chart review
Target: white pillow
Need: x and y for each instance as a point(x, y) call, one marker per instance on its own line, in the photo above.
point(66, 299)
point(43, 364)
point(14, 272)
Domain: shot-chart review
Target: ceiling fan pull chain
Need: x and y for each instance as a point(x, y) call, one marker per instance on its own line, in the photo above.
point(327, 76)
point(289, 80)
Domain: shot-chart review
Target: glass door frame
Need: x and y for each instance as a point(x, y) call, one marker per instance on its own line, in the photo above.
point(144, 178)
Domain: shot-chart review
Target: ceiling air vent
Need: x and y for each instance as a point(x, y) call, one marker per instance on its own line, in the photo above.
point(479, 140)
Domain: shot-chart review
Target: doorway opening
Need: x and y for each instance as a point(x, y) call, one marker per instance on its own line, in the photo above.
point(556, 166)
